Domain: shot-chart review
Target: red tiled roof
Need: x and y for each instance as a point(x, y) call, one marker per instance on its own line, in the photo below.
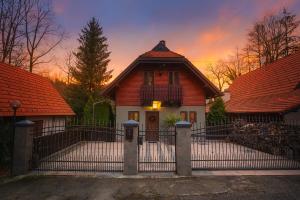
point(271, 88)
point(161, 54)
point(37, 95)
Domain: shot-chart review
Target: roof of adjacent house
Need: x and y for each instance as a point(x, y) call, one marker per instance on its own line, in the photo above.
point(36, 94)
point(161, 53)
point(272, 88)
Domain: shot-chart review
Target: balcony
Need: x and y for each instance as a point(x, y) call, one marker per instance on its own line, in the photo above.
point(169, 95)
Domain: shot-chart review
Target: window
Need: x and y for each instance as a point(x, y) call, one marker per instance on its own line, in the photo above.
point(134, 115)
point(38, 128)
point(193, 117)
point(148, 78)
point(173, 78)
point(183, 115)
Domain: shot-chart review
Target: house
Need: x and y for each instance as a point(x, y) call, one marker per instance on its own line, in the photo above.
point(271, 92)
point(157, 83)
point(40, 101)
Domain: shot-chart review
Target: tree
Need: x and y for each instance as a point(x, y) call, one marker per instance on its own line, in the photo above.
point(218, 73)
point(92, 58)
point(274, 37)
point(291, 40)
point(42, 35)
point(217, 112)
point(11, 21)
point(28, 32)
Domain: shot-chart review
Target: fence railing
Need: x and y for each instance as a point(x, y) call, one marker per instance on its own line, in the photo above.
point(240, 144)
point(74, 147)
point(246, 146)
point(167, 94)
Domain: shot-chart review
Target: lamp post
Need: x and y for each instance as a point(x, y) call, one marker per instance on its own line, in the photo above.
point(15, 104)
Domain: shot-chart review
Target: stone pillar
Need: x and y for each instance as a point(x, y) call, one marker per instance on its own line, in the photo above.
point(131, 147)
point(183, 148)
point(22, 147)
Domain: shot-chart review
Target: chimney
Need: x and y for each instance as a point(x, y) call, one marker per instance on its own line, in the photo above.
point(162, 42)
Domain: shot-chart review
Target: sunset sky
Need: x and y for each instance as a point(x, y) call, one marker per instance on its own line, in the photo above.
point(203, 31)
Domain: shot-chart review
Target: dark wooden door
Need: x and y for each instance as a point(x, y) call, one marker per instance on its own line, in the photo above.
point(152, 125)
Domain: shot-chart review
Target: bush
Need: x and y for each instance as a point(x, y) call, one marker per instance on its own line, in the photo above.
point(217, 114)
point(171, 120)
point(103, 112)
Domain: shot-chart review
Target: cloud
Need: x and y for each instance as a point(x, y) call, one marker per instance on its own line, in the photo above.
point(59, 6)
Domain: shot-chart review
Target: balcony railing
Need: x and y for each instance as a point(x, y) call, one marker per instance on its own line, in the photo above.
point(169, 95)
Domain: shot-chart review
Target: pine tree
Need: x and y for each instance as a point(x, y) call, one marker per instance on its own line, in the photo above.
point(92, 58)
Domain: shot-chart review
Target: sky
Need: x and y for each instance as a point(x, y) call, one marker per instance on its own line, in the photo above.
point(204, 31)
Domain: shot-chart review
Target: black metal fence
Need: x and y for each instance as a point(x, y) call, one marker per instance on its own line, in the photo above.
point(158, 155)
point(246, 145)
point(78, 147)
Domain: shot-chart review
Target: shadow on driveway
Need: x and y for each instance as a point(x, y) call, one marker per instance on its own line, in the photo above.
point(205, 187)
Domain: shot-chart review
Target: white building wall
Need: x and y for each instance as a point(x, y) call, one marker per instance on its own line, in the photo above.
point(122, 113)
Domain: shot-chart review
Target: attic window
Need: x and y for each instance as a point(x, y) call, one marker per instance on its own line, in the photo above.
point(297, 86)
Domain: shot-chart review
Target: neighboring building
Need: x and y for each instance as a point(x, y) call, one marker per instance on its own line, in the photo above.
point(268, 93)
point(160, 77)
point(40, 101)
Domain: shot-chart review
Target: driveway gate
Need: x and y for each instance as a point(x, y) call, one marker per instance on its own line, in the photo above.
point(78, 148)
point(157, 155)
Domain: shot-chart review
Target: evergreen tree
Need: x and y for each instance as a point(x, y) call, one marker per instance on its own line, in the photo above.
point(217, 112)
point(92, 58)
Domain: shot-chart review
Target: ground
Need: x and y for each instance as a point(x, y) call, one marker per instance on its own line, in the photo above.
point(202, 187)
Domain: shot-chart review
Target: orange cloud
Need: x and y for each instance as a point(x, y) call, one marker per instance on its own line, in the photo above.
point(215, 34)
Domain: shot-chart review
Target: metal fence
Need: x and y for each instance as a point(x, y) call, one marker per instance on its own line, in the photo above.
point(78, 147)
point(246, 145)
point(159, 155)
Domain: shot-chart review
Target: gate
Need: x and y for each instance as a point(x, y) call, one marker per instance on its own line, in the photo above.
point(157, 155)
point(251, 146)
point(78, 148)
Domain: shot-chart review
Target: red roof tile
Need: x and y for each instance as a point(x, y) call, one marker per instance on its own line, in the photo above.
point(161, 51)
point(161, 54)
point(37, 95)
point(271, 88)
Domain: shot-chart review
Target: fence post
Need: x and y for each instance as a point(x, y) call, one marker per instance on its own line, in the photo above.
point(22, 147)
point(131, 147)
point(183, 148)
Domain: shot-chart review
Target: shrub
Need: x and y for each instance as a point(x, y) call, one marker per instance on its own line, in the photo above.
point(217, 114)
point(171, 120)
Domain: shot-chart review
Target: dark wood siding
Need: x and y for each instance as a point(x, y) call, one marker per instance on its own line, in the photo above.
point(128, 91)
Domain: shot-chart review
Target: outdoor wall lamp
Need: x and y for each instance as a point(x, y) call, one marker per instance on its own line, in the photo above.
point(156, 105)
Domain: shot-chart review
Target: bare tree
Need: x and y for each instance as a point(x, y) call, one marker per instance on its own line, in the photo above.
point(217, 73)
point(42, 35)
point(274, 37)
point(291, 40)
point(11, 18)
point(68, 66)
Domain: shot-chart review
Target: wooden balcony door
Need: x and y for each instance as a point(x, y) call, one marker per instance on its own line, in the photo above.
point(152, 125)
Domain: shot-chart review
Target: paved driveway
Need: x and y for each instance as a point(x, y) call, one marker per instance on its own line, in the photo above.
point(204, 187)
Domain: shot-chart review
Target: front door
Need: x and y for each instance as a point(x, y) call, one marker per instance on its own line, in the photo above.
point(152, 125)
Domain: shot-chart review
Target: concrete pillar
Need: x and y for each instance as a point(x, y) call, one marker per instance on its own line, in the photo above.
point(131, 147)
point(183, 148)
point(22, 147)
